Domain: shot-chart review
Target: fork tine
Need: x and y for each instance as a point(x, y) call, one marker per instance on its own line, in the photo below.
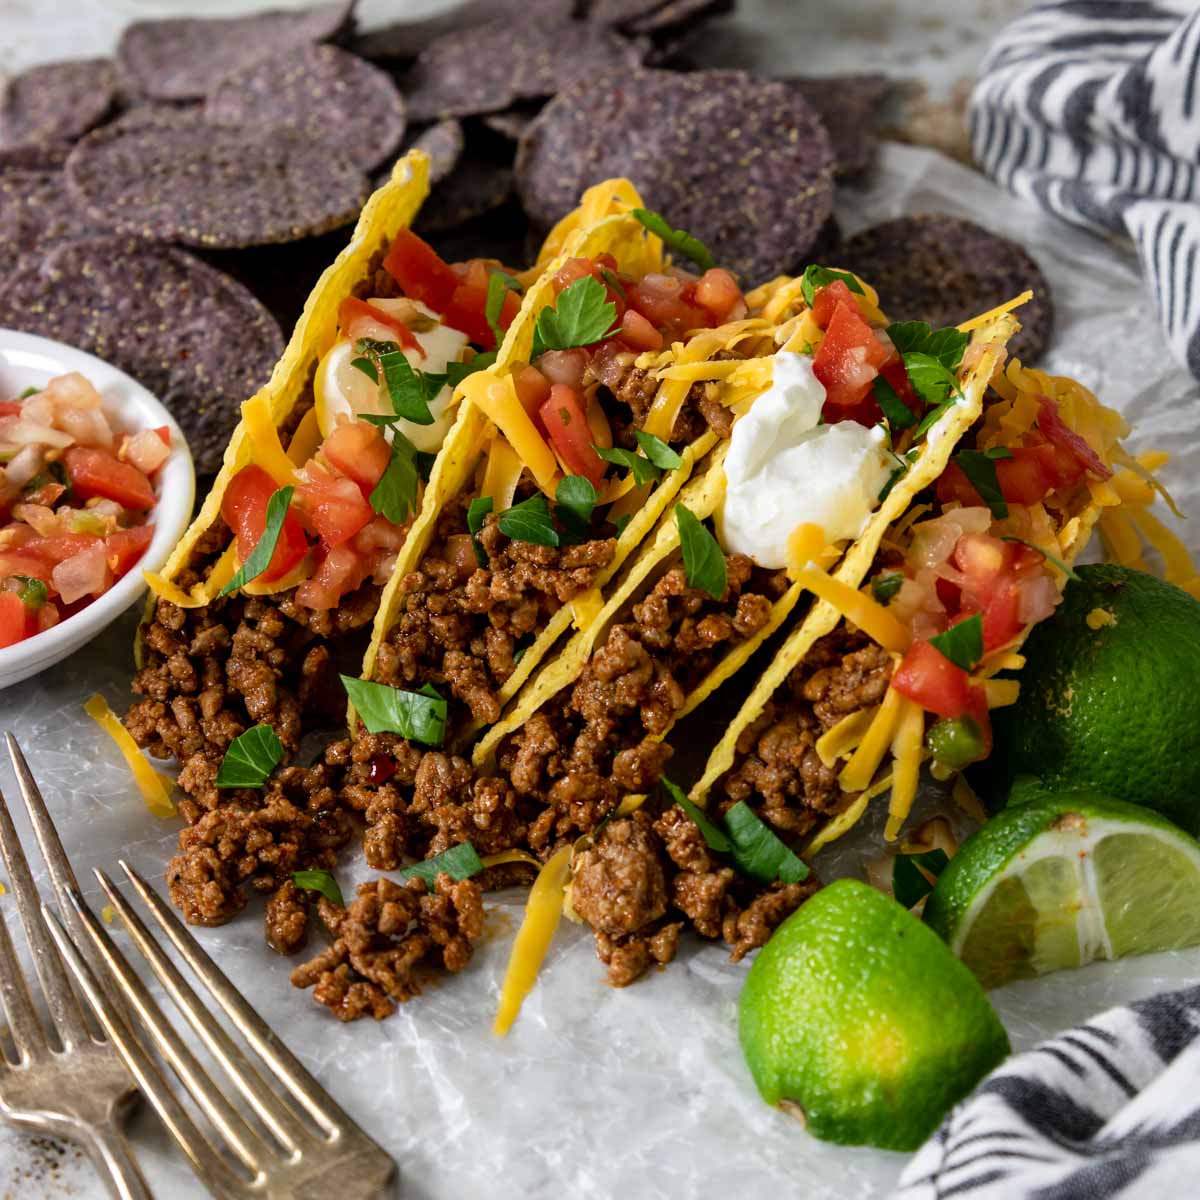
point(243, 1140)
point(205, 1160)
point(18, 1004)
point(269, 1108)
point(60, 999)
point(257, 1032)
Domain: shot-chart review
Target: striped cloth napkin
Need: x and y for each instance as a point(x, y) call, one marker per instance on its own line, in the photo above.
point(1109, 1110)
point(1091, 108)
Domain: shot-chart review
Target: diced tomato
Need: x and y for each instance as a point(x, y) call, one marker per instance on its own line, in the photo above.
point(638, 334)
point(661, 300)
point(894, 372)
point(45, 495)
point(352, 309)
point(573, 270)
point(17, 562)
point(849, 357)
point(932, 680)
point(14, 619)
point(164, 432)
point(1060, 434)
point(244, 507)
point(866, 412)
point(533, 390)
point(333, 504)
point(359, 451)
point(60, 547)
point(420, 271)
point(341, 571)
point(10, 408)
point(96, 472)
point(827, 298)
point(718, 294)
point(125, 546)
point(569, 433)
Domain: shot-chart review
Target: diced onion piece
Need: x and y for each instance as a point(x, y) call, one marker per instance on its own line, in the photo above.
point(153, 785)
point(543, 911)
point(1038, 599)
point(147, 451)
point(23, 432)
point(24, 465)
point(83, 574)
point(89, 427)
point(43, 520)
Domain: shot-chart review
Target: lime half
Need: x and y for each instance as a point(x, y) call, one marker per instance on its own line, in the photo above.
point(1065, 880)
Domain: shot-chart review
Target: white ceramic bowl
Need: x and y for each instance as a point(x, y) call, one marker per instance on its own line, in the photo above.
point(28, 361)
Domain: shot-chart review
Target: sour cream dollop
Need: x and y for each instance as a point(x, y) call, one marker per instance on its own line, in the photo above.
point(784, 469)
point(342, 388)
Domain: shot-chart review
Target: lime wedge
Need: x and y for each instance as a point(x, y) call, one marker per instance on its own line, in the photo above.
point(1066, 880)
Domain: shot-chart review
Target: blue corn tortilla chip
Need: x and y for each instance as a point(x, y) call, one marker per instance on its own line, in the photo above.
point(321, 92)
point(196, 338)
point(36, 212)
point(757, 199)
point(183, 58)
point(184, 179)
point(443, 142)
point(57, 101)
point(847, 105)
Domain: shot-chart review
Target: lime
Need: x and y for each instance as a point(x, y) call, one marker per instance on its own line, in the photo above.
point(1064, 880)
point(857, 1019)
point(1109, 698)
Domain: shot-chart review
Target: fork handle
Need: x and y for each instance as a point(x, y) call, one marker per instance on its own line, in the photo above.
point(113, 1158)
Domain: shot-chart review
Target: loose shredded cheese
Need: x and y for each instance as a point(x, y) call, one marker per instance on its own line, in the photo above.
point(509, 856)
point(1002, 692)
point(497, 399)
point(858, 608)
point(585, 608)
point(964, 796)
point(306, 441)
point(988, 317)
point(1098, 618)
point(154, 785)
point(848, 817)
point(837, 742)
point(501, 474)
point(806, 544)
point(164, 589)
point(543, 911)
point(906, 748)
point(860, 770)
point(267, 452)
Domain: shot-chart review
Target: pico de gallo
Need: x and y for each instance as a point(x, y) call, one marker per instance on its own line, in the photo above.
point(76, 498)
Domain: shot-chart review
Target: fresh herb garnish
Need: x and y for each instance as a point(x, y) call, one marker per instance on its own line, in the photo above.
point(610, 277)
point(620, 522)
point(980, 470)
point(757, 851)
point(530, 521)
point(259, 559)
point(644, 471)
point(899, 415)
point(500, 283)
point(1050, 558)
point(894, 478)
point(931, 357)
point(657, 451)
point(456, 372)
point(459, 862)
point(29, 391)
point(395, 495)
point(885, 587)
point(33, 592)
point(477, 512)
point(816, 277)
point(714, 838)
point(320, 881)
point(703, 561)
point(930, 379)
point(410, 391)
point(678, 240)
point(910, 883)
point(366, 366)
point(931, 418)
point(250, 759)
point(582, 316)
point(962, 644)
point(575, 500)
point(418, 716)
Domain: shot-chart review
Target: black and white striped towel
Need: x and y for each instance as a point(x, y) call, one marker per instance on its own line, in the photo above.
point(1109, 1109)
point(1091, 108)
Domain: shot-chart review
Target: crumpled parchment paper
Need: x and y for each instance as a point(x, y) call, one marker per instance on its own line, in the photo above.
point(635, 1093)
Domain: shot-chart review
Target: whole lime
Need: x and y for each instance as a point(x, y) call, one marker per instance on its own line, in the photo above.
point(1110, 696)
point(856, 1018)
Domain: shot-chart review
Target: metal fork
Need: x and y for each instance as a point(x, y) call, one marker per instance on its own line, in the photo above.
point(79, 1089)
point(299, 1144)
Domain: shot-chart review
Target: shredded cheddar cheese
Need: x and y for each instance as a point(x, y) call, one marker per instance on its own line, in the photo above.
point(509, 856)
point(845, 736)
point(501, 474)
point(164, 589)
point(964, 796)
point(543, 911)
point(1098, 618)
point(1002, 692)
point(497, 399)
point(848, 817)
point(154, 785)
point(586, 607)
point(988, 317)
point(306, 441)
point(860, 770)
point(857, 607)
point(907, 751)
point(266, 450)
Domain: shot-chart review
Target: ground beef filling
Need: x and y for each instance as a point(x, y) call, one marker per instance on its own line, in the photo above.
point(701, 410)
point(648, 876)
point(461, 625)
point(777, 770)
point(599, 739)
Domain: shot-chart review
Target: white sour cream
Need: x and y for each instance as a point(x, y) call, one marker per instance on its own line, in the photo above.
point(783, 469)
point(343, 389)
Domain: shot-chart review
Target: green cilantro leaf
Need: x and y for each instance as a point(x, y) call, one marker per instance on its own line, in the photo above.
point(1050, 558)
point(582, 316)
point(320, 881)
point(899, 415)
point(620, 522)
point(930, 379)
point(250, 759)
point(894, 478)
point(931, 418)
point(909, 882)
point(980, 470)
point(500, 283)
point(610, 277)
point(418, 716)
point(962, 644)
point(406, 389)
point(29, 391)
point(644, 471)
point(459, 862)
point(530, 521)
point(715, 839)
point(944, 345)
point(477, 511)
point(575, 500)
point(366, 366)
point(757, 851)
point(33, 592)
point(456, 372)
point(657, 451)
point(703, 561)
point(259, 559)
point(679, 241)
point(885, 587)
point(395, 495)
point(816, 277)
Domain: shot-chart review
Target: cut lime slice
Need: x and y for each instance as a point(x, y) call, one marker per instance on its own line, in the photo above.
point(1066, 880)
